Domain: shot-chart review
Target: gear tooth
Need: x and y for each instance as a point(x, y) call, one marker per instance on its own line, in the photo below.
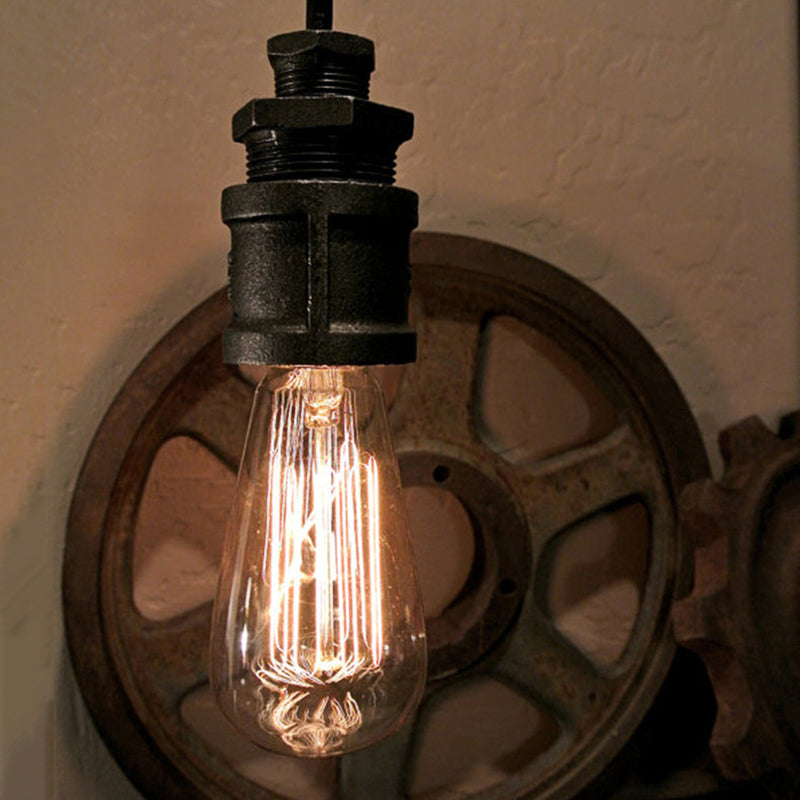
point(704, 615)
point(690, 623)
point(704, 509)
point(687, 623)
point(735, 706)
point(730, 759)
point(735, 709)
point(744, 442)
point(711, 574)
point(734, 700)
point(746, 745)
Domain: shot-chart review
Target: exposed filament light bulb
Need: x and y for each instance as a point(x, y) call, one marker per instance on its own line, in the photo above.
point(318, 639)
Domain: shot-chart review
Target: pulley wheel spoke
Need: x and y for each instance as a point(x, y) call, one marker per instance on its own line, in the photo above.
point(546, 668)
point(572, 486)
point(215, 407)
point(380, 770)
point(436, 397)
point(175, 652)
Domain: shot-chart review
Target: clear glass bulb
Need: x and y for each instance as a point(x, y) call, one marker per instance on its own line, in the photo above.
point(318, 635)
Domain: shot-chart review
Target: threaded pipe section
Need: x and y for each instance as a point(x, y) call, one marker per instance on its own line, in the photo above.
point(321, 79)
point(317, 156)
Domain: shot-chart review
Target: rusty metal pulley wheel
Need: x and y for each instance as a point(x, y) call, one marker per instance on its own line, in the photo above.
point(743, 614)
point(134, 672)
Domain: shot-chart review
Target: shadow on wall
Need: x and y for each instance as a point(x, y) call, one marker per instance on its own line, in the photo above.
point(28, 764)
point(83, 766)
point(38, 738)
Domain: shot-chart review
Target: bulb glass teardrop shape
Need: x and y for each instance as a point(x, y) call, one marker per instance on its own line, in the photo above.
point(318, 635)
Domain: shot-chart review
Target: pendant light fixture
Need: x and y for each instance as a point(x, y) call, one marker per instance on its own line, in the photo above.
point(318, 639)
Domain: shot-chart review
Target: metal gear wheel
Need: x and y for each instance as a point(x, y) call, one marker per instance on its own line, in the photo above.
point(743, 614)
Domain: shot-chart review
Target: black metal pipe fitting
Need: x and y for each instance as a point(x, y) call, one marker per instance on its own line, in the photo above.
point(318, 267)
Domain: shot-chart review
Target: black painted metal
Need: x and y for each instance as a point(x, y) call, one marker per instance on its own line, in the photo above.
point(318, 268)
point(319, 13)
point(314, 61)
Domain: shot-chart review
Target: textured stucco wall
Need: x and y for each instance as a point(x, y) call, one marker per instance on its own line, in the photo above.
point(648, 148)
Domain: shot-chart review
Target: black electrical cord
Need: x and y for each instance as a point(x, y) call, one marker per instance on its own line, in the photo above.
point(319, 15)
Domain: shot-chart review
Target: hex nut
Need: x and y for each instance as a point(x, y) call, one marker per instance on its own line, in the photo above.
point(284, 113)
point(321, 46)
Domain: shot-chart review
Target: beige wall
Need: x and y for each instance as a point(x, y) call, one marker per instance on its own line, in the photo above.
point(648, 148)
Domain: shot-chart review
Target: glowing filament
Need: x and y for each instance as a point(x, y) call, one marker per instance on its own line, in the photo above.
point(323, 622)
